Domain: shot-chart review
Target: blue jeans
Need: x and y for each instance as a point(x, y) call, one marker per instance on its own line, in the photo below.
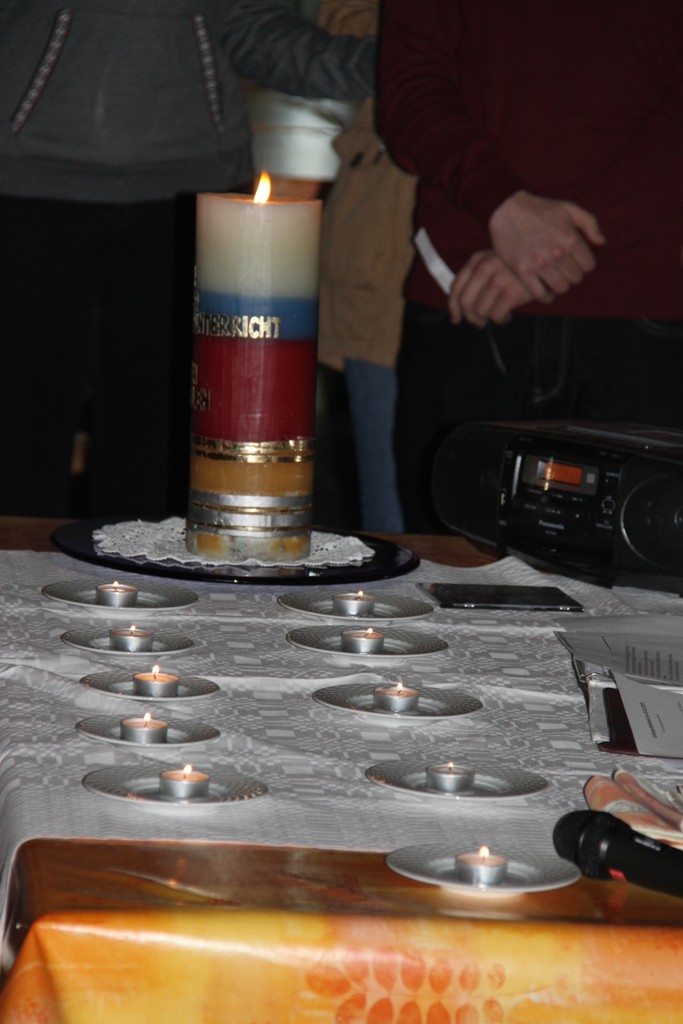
point(372, 400)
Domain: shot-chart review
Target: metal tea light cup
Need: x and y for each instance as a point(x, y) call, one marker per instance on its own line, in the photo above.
point(145, 730)
point(155, 683)
point(131, 640)
point(362, 641)
point(395, 697)
point(186, 783)
point(354, 605)
point(449, 778)
point(481, 869)
point(116, 595)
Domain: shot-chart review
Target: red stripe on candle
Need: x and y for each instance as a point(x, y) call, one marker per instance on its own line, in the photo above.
point(252, 389)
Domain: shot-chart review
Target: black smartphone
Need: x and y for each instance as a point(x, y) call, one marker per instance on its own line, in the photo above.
point(484, 595)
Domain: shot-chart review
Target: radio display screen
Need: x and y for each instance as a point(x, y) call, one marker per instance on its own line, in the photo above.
point(549, 474)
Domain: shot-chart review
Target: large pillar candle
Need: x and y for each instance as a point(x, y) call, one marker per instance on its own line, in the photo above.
point(253, 377)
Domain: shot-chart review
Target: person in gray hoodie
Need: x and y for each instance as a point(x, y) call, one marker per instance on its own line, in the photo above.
point(113, 114)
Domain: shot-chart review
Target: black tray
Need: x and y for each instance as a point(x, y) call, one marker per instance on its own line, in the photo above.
point(388, 560)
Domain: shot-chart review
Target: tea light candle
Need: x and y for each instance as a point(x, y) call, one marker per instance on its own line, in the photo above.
point(449, 778)
point(144, 730)
point(396, 698)
point(131, 639)
point(362, 641)
point(482, 868)
point(353, 604)
point(183, 783)
point(155, 683)
point(116, 595)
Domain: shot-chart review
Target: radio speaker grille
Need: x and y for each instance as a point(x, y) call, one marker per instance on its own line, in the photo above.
point(466, 480)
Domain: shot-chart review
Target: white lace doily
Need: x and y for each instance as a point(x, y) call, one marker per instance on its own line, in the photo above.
point(165, 542)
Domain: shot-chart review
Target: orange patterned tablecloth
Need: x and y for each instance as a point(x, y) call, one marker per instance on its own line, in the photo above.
point(277, 967)
point(208, 933)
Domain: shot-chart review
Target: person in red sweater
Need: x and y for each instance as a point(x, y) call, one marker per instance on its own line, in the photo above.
point(548, 139)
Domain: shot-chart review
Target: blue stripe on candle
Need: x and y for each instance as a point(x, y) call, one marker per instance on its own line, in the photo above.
point(298, 317)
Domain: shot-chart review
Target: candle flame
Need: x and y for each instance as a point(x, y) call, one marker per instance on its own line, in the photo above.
point(359, 594)
point(484, 852)
point(187, 770)
point(399, 686)
point(116, 583)
point(147, 718)
point(450, 766)
point(262, 193)
point(155, 670)
point(370, 633)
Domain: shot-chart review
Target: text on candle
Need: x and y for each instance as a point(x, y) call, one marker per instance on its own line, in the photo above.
point(220, 325)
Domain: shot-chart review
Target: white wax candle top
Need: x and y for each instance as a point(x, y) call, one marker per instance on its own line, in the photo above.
point(281, 257)
point(146, 722)
point(156, 676)
point(396, 690)
point(186, 774)
point(483, 857)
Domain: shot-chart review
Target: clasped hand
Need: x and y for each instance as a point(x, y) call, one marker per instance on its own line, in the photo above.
point(540, 248)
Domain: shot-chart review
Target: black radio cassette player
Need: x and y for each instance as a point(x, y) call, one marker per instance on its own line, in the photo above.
point(599, 500)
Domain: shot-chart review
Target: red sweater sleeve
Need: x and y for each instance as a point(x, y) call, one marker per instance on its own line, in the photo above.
point(426, 128)
point(641, 191)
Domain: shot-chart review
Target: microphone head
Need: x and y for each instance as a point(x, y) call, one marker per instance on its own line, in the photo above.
point(580, 835)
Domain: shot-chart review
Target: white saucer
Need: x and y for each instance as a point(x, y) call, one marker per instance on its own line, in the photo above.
point(528, 872)
point(92, 640)
point(107, 727)
point(140, 785)
point(150, 597)
point(399, 644)
point(489, 784)
point(388, 607)
point(434, 704)
point(120, 684)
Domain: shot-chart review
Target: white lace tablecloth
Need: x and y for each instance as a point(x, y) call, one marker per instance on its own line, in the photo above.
point(313, 759)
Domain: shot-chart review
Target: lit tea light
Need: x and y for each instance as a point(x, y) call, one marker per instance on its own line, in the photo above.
point(155, 683)
point(131, 639)
point(362, 641)
point(353, 604)
point(183, 783)
point(483, 868)
point(449, 778)
point(395, 697)
point(144, 730)
point(116, 595)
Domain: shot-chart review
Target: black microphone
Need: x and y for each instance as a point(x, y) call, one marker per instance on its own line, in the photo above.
point(606, 847)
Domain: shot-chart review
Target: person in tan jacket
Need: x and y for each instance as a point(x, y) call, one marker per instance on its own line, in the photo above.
point(366, 253)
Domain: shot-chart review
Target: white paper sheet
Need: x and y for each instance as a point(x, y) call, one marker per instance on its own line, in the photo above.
point(655, 716)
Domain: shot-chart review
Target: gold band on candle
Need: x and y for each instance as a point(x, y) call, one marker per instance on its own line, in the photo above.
point(299, 450)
